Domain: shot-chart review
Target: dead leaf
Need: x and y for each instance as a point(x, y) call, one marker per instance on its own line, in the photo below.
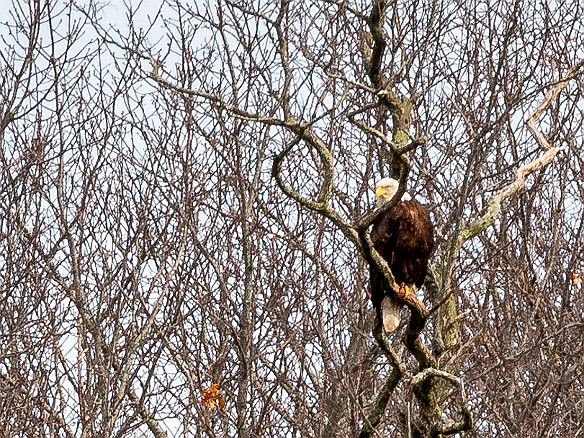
point(212, 398)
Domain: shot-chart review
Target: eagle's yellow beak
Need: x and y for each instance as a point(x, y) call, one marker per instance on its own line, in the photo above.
point(380, 191)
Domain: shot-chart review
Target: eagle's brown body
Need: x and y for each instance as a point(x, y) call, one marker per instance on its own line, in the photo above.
point(404, 237)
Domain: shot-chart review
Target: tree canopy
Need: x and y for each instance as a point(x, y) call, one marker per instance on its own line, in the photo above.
point(186, 195)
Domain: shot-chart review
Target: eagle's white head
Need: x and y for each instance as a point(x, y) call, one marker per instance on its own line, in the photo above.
point(385, 189)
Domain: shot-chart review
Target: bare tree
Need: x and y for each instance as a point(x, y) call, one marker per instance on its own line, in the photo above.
point(185, 209)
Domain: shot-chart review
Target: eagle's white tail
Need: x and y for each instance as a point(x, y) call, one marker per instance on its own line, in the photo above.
point(390, 312)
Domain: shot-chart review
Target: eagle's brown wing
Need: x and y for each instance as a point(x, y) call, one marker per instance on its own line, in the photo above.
point(404, 237)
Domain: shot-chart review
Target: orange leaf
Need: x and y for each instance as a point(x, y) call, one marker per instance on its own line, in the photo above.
point(211, 397)
point(209, 402)
point(576, 277)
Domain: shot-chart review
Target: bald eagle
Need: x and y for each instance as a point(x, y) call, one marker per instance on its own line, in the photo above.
point(404, 237)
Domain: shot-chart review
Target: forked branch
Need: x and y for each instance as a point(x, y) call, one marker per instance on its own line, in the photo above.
point(494, 205)
point(447, 426)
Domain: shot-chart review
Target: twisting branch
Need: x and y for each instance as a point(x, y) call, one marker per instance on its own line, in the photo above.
point(400, 110)
point(419, 313)
point(374, 259)
point(389, 386)
point(449, 426)
point(302, 132)
point(373, 61)
point(359, 235)
point(321, 205)
point(380, 404)
point(388, 350)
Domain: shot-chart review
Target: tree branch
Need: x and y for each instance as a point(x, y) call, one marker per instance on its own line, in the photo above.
point(321, 205)
point(449, 426)
point(550, 152)
point(389, 386)
point(547, 100)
